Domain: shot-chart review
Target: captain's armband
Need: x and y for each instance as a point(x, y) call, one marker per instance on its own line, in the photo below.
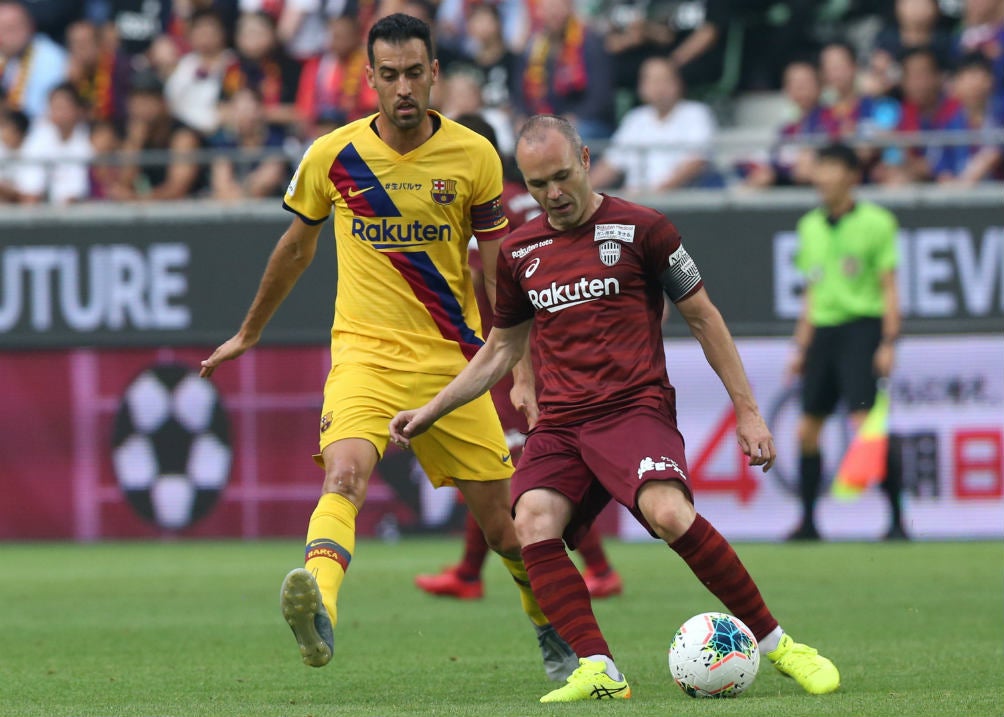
point(681, 277)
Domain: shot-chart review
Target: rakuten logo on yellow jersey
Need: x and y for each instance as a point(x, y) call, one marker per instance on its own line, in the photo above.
point(386, 233)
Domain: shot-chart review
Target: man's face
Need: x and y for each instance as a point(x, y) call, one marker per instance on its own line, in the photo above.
point(973, 86)
point(833, 180)
point(557, 177)
point(63, 111)
point(921, 80)
point(838, 69)
point(403, 76)
point(15, 30)
point(802, 86)
point(82, 42)
point(659, 85)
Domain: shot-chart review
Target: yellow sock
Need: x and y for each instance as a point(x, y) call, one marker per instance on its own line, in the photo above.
point(522, 580)
point(331, 540)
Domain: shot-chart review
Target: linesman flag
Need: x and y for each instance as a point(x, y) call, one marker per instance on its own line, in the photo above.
point(864, 463)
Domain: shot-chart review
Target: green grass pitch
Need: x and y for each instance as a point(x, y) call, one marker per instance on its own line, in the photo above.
point(193, 628)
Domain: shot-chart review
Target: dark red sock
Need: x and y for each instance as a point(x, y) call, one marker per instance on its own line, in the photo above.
point(716, 565)
point(591, 550)
point(475, 550)
point(562, 595)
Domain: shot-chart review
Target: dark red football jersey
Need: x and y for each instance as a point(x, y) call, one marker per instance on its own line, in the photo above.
point(596, 297)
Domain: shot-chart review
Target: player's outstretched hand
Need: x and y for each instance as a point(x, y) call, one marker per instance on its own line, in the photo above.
point(406, 425)
point(230, 349)
point(755, 439)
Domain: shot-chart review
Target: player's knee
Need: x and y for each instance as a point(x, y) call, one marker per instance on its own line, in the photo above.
point(347, 480)
point(669, 513)
point(534, 523)
point(504, 543)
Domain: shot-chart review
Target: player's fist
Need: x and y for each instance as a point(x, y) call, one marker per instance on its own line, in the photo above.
point(406, 425)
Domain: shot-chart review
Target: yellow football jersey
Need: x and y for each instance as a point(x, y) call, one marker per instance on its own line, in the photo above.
point(402, 225)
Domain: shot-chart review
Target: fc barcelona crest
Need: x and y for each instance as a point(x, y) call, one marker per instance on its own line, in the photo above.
point(444, 191)
point(610, 252)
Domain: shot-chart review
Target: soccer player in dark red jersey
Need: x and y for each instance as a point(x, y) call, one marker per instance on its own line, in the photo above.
point(591, 273)
point(463, 580)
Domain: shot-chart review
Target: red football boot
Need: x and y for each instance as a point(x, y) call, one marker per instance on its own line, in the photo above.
point(603, 586)
point(449, 584)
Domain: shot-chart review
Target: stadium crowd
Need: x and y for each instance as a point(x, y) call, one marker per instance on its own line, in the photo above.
point(153, 99)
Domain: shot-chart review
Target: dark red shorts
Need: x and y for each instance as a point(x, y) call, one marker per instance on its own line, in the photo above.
point(609, 457)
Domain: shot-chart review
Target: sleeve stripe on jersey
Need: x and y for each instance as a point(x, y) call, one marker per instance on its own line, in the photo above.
point(488, 216)
point(432, 289)
point(360, 188)
point(304, 219)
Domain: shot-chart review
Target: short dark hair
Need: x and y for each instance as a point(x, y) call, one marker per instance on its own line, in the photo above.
point(922, 51)
point(16, 118)
point(70, 90)
point(842, 45)
point(840, 152)
point(974, 61)
point(398, 29)
point(477, 123)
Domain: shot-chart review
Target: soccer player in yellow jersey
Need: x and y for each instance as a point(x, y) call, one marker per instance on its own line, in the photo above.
point(409, 187)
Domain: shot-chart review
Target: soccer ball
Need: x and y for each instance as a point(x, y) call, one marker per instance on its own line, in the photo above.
point(170, 446)
point(714, 655)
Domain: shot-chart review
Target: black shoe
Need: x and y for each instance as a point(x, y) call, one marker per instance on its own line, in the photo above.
point(805, 532)
point(896, 532)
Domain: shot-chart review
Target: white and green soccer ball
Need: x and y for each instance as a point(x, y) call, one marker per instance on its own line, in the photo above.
point(714, 655)
point(170, 446)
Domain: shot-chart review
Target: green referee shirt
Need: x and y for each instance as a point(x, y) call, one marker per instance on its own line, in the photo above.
point(844, 262)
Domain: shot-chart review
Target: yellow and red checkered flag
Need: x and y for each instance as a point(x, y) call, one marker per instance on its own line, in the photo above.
point(864, 463)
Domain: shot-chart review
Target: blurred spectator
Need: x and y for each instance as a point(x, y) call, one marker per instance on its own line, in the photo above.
point(633, 32)
point(194, 89)
point(162, 57)
point(13, 129)
point(972, 85)
point(299, 24)
point(565, 70)
point(53, 17)
point(925, 108)
point(916, 25)
point(699, 53)
point(265, 67)
point(136, 23)
point(848, 112)
point(790, 162)
point(106, 172)
point(664, 144)
point(100, 74)
point(31, 64)
point(58, 150)
point(459, 94)
point(333, 89)
point(453, 18)
point(235, 176)
point(150, 127)
point(490, 56)
point(983, 32)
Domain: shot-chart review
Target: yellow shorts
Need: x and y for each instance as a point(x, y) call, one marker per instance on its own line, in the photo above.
point(468, 443)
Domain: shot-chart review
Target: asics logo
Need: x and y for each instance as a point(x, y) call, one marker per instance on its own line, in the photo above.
point(353, 192)
point(600, 692)
point(532, 267)
point(557, 297)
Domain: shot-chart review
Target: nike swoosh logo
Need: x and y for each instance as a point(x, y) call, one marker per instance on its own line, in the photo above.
point(506, 457)
point(357, 192)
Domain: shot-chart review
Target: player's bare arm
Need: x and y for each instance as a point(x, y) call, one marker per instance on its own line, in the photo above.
point(523, 393)
point(291, 256)
point(494, 360)
point(708, 327)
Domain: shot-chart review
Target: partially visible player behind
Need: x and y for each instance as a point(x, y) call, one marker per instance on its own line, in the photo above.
point(463, 580)
point(409, 188)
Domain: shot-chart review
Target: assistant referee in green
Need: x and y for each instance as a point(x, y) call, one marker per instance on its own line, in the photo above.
point(846, 335)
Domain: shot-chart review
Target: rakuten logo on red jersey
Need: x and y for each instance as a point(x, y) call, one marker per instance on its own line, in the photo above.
point(563, 296)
